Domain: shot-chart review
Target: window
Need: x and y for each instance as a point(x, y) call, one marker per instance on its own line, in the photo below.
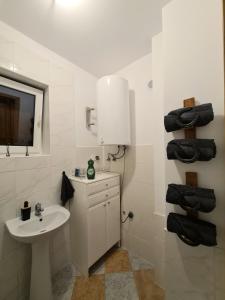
point(20, 117)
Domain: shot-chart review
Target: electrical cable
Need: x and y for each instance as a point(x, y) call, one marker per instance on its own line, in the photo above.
point(124, 152)
point(123, 175)
point(114, 154)
point(122, 183)
point(125, 219)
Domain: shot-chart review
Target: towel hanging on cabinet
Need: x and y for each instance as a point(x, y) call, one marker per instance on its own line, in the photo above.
point(67, 190)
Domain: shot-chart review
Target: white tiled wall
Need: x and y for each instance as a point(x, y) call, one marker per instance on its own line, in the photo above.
point(144, 192)
point(39, 178)
point(144, 235)
point(196, 71)
point(83, 154)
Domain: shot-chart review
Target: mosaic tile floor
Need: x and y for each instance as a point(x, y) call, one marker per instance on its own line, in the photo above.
point(117, 276)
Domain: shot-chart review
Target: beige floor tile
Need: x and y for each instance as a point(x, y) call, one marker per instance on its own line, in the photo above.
point(147, 289)
point(89, 288)
point(117, 261)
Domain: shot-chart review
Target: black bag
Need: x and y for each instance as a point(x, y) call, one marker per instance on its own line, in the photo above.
point(191, 150)
point(191, 198)
point(189, 117)
point(192, 231)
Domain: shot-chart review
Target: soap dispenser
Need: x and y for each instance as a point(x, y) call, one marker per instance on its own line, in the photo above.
point(91, 169)
point(25, 211)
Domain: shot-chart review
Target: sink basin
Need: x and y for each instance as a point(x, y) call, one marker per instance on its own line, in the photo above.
point(37, 232)
point(37, 228)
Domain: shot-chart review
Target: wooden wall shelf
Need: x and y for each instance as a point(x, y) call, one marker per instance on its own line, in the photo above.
point(190, 133)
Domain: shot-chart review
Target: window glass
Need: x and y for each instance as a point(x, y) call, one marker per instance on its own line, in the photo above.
point(17, 113)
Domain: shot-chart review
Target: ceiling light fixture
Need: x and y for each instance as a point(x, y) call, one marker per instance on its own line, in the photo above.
point(68, 2)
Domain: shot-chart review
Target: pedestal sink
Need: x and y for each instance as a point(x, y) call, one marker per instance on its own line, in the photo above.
point(37, 231)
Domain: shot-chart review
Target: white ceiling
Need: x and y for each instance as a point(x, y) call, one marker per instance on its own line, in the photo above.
point(100, 36)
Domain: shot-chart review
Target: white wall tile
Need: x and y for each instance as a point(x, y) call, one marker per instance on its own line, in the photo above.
point(85, 137)
point(31, 162)
point(83, 154)
point(145, 233)
point(30, 64)
point(7, 186)
point(61, 75)
point(138, 75)
point(38, 179)
point(194, 267)
point(7, 164)
point(61, 156)
point(219, 272)
point(139, 234)
point(144, 154)
point(6, 53)
point(33, 190)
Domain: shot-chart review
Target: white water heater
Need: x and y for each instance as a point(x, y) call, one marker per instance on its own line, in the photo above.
point(113, 111)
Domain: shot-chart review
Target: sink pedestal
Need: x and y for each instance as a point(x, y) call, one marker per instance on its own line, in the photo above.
point(41, 286)
point(37, 233)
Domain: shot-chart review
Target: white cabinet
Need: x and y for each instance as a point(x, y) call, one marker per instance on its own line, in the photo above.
point(95, 218)
point(113, 221)
point(103, 228)
point(97, 234)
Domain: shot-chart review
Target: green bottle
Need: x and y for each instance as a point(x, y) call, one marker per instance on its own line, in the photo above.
point(91, 169)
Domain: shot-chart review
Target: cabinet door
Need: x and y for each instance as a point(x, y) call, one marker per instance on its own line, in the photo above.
point(113, 221)
point(97, 242)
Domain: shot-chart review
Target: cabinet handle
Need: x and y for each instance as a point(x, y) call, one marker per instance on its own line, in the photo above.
point(109, 202)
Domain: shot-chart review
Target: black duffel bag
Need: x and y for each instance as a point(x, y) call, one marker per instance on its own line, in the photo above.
point(189, 117)
point(192, 231)
point(191, 198)
point(191, 150)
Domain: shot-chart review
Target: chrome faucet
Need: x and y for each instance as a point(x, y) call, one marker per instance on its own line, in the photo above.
point(38, 209)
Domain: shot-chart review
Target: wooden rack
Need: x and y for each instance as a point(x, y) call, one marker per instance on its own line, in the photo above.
point(190, 133)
